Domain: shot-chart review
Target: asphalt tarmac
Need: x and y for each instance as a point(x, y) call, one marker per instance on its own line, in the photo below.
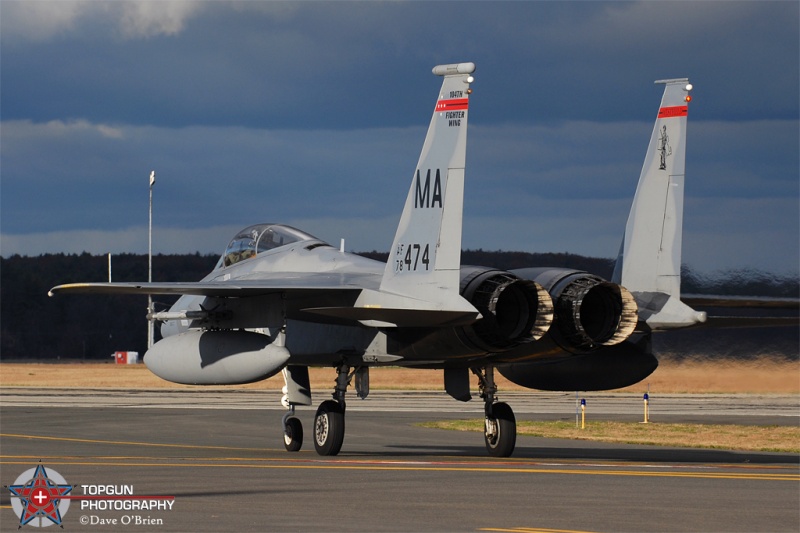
point(218, 457)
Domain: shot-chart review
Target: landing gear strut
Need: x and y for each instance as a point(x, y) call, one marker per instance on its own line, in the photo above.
point(500, 426)
point(329, 419)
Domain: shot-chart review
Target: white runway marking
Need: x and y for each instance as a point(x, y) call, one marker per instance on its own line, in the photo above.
point(599, 403)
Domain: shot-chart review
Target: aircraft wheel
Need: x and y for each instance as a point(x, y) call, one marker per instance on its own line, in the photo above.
point(500, 431)
point(329, 428)
point(293, 435)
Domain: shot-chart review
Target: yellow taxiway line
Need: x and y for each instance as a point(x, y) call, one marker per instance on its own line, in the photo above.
point(522, 466)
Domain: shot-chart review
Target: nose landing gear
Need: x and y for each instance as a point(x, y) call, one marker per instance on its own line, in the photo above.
point(296, 391)
point(292, 432)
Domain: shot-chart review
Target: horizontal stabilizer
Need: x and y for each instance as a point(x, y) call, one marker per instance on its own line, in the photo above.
point(661, 311)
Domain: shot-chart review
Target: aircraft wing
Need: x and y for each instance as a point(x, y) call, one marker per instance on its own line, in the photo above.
point(314, 292)
point(746, 311)
point(702, 300)
point(305, 283)
point(749, 321)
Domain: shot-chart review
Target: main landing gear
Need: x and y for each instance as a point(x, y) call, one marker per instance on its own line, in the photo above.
point(329, 427)
point(500, 426)
point(329, 418)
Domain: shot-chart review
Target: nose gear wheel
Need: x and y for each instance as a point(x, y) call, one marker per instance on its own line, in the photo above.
point(293, 435)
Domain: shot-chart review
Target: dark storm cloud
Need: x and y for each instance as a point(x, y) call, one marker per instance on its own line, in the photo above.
point(229, 64)
point(314, 113)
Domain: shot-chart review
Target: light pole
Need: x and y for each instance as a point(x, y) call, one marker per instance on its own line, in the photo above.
point(150, 264)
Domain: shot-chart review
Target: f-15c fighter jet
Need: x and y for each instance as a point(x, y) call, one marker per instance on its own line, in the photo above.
point(281, 300)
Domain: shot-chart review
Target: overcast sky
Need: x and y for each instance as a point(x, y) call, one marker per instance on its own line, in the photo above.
point(313, 114)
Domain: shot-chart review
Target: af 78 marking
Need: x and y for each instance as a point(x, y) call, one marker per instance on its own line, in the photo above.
point(409, 259)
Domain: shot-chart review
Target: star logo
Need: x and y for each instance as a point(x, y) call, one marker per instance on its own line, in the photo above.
point(39, 495)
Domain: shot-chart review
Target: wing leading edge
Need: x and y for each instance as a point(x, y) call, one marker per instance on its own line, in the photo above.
point(221, 289)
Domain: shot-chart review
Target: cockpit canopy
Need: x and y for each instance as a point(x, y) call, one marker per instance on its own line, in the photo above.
point(260, 238)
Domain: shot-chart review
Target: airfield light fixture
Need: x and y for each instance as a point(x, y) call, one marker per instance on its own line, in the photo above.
point(150, 262)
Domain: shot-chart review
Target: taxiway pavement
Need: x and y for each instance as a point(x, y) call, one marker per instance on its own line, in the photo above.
point(220, 455)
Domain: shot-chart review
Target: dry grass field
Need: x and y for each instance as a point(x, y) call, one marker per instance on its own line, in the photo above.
point(761, 376)
point(785, 439)
point(764, 376)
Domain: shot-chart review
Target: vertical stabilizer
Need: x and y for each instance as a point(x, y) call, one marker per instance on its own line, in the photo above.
point(425, 257)
point(649, 263)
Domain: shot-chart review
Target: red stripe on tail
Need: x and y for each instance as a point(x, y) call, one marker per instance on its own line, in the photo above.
point(456, 104)
point(674, 111)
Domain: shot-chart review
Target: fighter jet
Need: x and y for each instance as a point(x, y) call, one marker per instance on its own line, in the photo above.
point(281, 300)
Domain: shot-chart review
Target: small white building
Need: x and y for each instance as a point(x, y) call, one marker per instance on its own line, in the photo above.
point(126, 358)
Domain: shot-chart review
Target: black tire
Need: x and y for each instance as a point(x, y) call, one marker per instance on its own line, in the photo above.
point(293, 435)
point(329, 428)
point(502, 443)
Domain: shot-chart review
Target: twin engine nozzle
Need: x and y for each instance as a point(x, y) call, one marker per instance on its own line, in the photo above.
point(581, 311)
point(513, 310)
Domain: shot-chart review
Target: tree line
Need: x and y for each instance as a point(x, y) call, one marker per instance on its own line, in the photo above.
point(34, 326)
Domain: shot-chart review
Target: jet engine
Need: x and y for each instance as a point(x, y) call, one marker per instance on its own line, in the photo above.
point(590, 312)
point(223, 357)
point(513, 311)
